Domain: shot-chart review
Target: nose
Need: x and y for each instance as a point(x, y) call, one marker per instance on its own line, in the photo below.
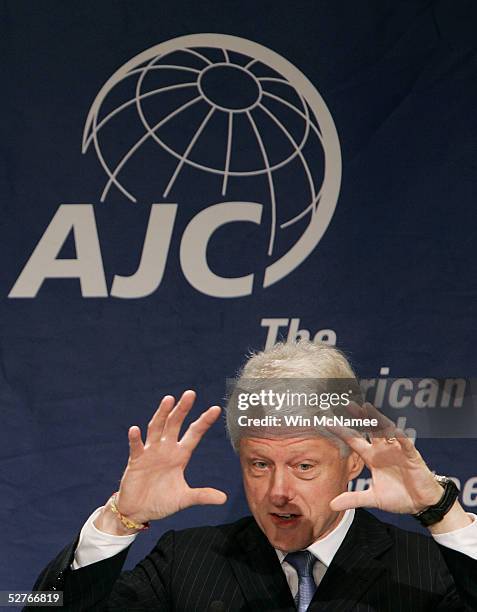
point(281, 489)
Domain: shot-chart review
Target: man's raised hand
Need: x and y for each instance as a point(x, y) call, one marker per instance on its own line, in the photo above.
point(401, 480)
point(153, 485)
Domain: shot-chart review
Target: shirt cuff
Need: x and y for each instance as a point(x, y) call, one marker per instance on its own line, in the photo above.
point(463, 540)
point(95, 545)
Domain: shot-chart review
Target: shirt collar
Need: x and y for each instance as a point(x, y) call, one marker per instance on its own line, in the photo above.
point(325, 548)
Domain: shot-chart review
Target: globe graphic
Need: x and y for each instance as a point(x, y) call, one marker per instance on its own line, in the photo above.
point(236, 111)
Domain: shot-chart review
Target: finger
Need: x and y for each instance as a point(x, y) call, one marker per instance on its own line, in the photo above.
point(178, 414)
point(207, 495)
point(385, 427)
point(197, 429)
point(155, 427)
point(356, 499)
point(406, 443)
point(352, 438)
point(136, 447)
point(356, 410)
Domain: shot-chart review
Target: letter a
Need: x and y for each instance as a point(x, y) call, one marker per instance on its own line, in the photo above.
point(44, 262)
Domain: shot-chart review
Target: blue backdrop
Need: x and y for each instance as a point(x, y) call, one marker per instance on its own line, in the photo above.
point(335, 139)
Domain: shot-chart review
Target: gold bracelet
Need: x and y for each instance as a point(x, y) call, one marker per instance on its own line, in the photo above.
point(125, 521)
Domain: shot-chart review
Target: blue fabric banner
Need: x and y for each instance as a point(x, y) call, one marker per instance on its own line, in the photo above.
point(183, 182)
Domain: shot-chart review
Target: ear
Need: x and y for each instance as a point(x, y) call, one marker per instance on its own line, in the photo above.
point(355, 465)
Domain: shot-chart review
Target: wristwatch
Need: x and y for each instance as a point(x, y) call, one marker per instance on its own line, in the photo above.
point(436, 513)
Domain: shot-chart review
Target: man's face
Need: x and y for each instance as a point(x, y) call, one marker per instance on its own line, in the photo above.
point(289, 483)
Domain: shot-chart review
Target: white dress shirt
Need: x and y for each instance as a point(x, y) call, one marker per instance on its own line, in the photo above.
point(95, 545)
point(323, 549)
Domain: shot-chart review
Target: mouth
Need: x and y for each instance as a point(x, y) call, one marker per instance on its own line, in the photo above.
point(283, 519)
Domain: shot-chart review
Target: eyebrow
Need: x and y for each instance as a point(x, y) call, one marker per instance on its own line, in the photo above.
point(306, 457)
point(297, 455)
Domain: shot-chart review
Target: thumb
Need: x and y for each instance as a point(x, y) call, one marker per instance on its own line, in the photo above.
point(136, 445)
point(207, 495)
point(356, 499)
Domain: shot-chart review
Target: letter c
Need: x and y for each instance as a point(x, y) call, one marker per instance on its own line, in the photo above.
point(193, 250)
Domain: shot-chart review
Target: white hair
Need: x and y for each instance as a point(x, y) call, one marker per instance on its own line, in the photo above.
point(311, 364)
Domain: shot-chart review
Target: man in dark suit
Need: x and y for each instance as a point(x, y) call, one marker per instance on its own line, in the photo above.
point(308, 546)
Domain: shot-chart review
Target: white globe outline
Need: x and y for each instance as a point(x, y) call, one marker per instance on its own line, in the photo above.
point(229, 110)
point(151, 131)
point(328, 195)
point(226, 172)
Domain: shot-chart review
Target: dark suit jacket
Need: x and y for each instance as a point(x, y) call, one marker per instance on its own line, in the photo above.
point(378, 567)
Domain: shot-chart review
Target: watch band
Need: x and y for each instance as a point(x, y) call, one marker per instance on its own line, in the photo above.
point(434, 514)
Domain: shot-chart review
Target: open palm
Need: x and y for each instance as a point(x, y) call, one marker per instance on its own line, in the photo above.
point(153, 485)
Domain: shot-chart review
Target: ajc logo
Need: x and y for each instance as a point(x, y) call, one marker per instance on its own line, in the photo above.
point(225, 117)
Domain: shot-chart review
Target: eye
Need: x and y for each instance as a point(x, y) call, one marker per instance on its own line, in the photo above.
point(260, 465)
point(305, 467)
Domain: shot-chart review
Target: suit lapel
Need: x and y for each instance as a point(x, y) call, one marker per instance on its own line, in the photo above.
point(355, 567)
point(258, 572)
